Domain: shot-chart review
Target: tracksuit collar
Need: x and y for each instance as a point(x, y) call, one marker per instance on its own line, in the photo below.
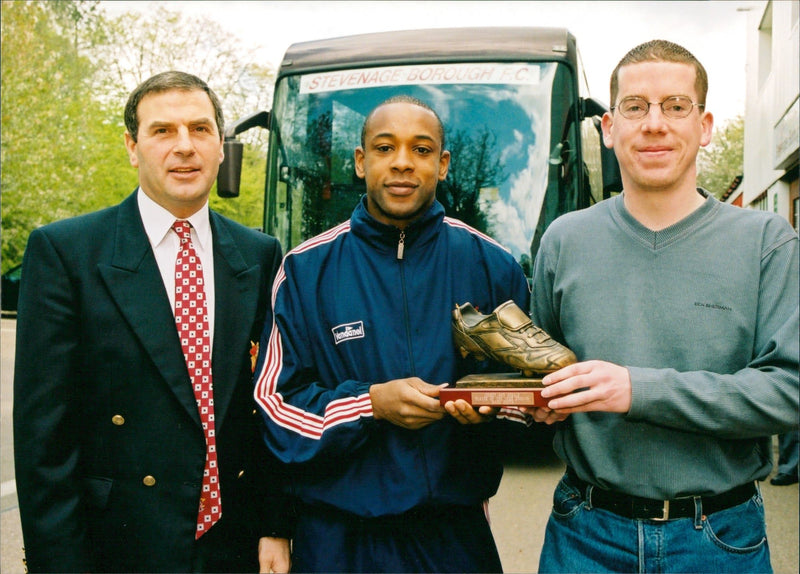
point(385, 237)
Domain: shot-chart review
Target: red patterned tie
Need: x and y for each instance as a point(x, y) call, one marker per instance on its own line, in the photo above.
point(191, 319)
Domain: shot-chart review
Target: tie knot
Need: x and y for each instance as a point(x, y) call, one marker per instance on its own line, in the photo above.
point(183, 229)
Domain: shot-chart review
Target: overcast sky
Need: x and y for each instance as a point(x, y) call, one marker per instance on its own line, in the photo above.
point(713, 30)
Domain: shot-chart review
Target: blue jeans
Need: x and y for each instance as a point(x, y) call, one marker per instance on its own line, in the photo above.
point(580, 538)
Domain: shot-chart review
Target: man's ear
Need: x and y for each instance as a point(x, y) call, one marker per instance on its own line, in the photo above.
point(707, 125)
point(607, 124)
point(444, 164)
point(359, 157)
point(130, 145)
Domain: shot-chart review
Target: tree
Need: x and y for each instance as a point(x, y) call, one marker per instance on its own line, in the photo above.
point(57, 141)
point(723, 159)
point(141, 45)
point(67, 70)
point(474, 165)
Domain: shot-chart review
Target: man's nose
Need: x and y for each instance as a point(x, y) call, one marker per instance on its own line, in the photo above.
point(183, 141)
point(403, 159)
point(655, 118)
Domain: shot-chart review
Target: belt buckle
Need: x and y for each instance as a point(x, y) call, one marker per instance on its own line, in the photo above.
point(664, 513)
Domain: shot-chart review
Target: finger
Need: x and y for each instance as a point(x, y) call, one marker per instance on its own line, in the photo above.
point(567, 372)
point(469, 412)
point(430, 405)
point(568, 385)
point(488, 412)
point(555, 417)
point(575, 401)
point(427, 389)
point(542, 415)
point(463, 412)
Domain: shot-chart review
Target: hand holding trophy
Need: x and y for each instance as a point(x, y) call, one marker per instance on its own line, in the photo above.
point(508, 336)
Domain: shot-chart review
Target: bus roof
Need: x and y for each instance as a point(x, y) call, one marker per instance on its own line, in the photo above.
point(432, 45)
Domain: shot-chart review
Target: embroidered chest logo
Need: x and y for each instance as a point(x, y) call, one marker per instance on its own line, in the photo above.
point(348, 331)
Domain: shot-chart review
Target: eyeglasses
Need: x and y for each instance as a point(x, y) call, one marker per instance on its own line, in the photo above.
point(674, 107)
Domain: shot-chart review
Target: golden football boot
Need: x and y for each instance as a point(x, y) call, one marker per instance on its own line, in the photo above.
point(507, 335)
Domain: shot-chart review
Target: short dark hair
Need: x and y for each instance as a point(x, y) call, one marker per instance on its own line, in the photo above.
point(166, 82)
point(662, 51)
point(402, 99)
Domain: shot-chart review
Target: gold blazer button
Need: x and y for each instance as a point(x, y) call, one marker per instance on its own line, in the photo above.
point(118, 420)
point(149, 480)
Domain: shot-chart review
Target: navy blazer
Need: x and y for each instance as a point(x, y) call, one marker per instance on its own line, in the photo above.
point(109, 449)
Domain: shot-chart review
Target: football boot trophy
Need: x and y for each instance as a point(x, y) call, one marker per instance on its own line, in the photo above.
point(507, 336)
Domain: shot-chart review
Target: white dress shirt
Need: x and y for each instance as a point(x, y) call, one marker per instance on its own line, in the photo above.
point(165, 243)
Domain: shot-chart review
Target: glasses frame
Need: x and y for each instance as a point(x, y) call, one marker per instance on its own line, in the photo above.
point(664, 112)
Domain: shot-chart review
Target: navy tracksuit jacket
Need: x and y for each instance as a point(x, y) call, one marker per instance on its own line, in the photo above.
point(348, 313)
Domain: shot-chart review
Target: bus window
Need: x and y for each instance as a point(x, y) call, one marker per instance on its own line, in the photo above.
point(510, 128)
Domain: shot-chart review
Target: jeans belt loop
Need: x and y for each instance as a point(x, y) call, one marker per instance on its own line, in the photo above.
point(698, 512)
point(587, 496)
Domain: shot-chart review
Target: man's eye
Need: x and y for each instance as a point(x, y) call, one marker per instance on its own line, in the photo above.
point(423, 150)
point(677, 106)
point(383, 148)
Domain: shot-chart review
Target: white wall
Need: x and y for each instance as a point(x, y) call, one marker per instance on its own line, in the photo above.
point(771, 103)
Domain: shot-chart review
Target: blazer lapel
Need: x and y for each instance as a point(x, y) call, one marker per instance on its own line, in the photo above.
point(236, 286)
point(135, 283)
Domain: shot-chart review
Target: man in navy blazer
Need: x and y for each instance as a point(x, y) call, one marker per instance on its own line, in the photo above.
point(109, 447)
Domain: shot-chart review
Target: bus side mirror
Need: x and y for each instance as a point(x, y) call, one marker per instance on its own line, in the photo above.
point(230, 170)
point(612, 179)
point(591, 107)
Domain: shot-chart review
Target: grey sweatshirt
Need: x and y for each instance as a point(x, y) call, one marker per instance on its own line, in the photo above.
point(704, 314)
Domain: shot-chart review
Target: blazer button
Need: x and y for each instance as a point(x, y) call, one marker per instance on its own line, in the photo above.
point(118, 420)
point(149, 480)
point(241, 472)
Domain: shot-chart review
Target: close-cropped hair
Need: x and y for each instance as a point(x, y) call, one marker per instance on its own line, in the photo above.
point(662, 51)
point(403, 99)
point(167, 82)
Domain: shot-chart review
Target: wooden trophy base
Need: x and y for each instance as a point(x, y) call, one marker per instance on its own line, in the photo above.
point(496, 390)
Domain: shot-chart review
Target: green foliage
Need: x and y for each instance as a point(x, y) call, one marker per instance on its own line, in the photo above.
point(723, 159)
point(57, 142)
point(67, 70)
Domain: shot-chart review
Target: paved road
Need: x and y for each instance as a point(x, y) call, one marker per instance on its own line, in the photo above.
point(519, 511)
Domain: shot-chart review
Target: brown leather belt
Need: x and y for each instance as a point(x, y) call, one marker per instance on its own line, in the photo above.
point(635, 507)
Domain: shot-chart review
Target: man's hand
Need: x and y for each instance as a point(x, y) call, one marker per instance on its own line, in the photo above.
point(409, 403)
point(544, 414)
point(466, 414)
point(602, 386)
point(274, 555)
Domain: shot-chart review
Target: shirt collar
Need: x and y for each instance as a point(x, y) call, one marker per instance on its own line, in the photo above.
point(158, 221)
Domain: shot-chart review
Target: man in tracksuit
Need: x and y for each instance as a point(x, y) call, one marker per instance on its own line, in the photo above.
point(349, 377)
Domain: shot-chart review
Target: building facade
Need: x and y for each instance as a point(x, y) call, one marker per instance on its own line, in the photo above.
point(772, 111)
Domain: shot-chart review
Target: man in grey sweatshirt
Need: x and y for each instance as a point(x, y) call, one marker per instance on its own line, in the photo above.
point(683, 313)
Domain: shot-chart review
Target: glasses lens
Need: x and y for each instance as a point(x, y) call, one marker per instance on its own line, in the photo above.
point(633, 108)
point(677, 107)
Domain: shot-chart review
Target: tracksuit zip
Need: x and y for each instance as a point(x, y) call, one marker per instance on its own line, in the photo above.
point(400, 262)
point(401, 244)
